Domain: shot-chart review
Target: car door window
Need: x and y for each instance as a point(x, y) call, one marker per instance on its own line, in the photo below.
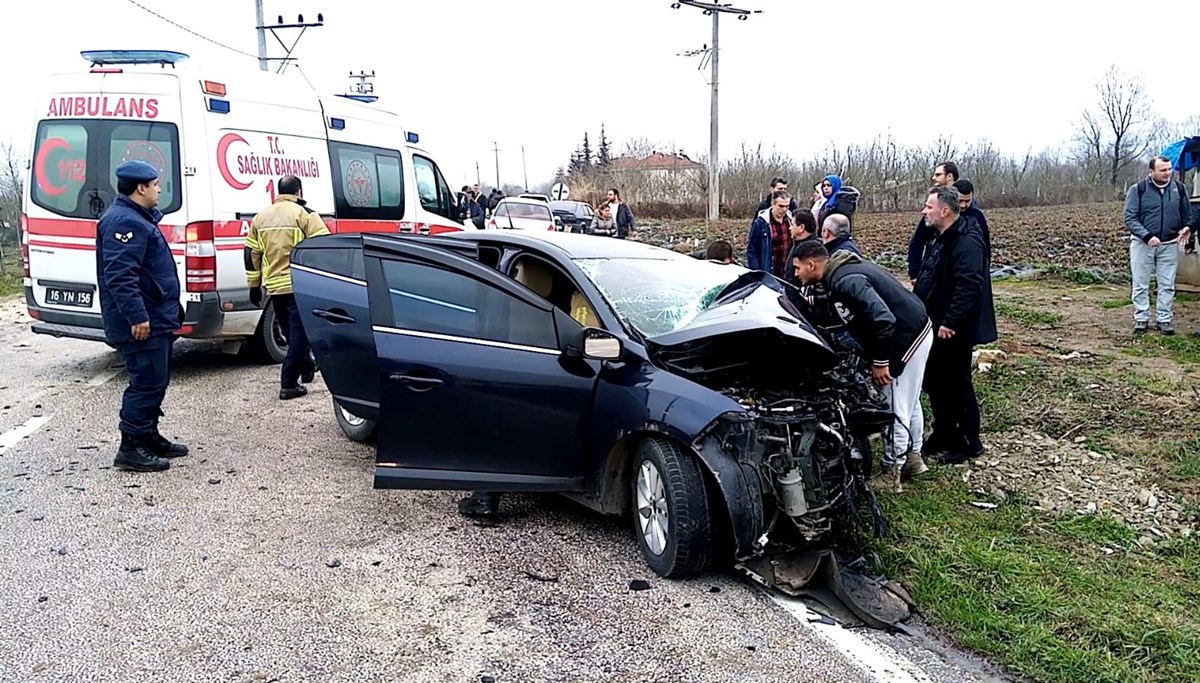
point(428, 299)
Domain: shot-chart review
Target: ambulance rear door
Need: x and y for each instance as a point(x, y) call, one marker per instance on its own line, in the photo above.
point(88, 125)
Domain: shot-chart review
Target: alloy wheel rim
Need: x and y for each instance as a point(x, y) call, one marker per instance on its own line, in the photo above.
point(654, 518)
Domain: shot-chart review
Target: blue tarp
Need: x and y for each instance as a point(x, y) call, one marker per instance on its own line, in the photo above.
point(1185, 154)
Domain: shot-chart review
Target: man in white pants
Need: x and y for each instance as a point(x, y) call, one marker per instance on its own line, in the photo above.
point(889, 322)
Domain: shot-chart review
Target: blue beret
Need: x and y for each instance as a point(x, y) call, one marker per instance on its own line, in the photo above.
point(136, 171)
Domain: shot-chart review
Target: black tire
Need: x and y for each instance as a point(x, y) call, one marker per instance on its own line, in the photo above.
point(687, 547)
point(355, 428)
point(268, 344)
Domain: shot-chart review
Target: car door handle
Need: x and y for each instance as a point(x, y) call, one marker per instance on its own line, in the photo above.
point(415, 382)
point(335, 315)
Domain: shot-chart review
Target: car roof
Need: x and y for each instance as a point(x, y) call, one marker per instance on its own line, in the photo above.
point(522, 200)
point(574, 245)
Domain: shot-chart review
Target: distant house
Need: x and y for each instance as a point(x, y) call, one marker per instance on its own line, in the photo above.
point(661, 175)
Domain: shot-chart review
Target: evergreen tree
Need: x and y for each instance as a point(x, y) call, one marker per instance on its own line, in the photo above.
point(586, 152)
point(602, 154)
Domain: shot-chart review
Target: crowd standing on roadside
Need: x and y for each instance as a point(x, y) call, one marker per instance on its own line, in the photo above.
point(919, 337)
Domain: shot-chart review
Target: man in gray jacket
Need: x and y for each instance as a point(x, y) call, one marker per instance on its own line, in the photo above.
point(1158, 215)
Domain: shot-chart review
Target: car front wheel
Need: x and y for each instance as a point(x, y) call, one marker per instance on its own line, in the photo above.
point(354, 427)
point(670, 510)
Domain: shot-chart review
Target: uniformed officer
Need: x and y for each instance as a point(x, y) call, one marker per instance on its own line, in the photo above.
point(139, 300)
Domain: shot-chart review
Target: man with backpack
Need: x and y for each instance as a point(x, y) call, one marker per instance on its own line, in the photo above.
point(1159, 215)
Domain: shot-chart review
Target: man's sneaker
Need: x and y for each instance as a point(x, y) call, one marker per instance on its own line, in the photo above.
point(133, 456)
point(1140, 326)
point(294, 392)
point(159, 445)
point(484, 504)
point(1167, 328)
point(914, 465)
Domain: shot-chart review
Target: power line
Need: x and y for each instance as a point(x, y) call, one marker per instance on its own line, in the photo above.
point(188, 30)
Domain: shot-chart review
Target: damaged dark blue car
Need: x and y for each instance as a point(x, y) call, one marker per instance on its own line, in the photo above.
point(692, 396)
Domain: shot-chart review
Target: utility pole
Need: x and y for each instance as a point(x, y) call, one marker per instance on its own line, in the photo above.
point(262, 29)
point(262, 35)
point(478, 178)
point(714, 167)
point(524, 170)
point(496, 150)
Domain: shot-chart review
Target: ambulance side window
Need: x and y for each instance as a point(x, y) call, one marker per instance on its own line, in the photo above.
point(434, 192)
point(368, 182)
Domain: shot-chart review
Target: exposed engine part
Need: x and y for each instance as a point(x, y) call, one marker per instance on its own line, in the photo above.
point(791, 493)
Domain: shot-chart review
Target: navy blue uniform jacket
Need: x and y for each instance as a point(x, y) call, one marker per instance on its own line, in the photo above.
point(136, 272)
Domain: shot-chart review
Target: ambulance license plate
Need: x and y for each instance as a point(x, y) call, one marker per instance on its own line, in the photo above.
point(68, 297)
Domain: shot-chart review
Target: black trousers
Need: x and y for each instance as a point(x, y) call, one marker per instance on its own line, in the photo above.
point(149, 366)
point(299, 357)
point(956, 420)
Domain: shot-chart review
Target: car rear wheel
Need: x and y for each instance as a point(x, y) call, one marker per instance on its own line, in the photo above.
point(670, 510)
point(269, 344)
point(354, 427)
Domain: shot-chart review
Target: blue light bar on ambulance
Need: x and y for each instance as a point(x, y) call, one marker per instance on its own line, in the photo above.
point(412, 138)
point(337, 124)
point(102, 57)
point(218, 106)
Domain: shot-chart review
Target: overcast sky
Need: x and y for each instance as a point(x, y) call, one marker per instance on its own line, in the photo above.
point(539, 73)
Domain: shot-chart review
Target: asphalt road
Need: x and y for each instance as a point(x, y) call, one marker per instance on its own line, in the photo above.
point(266, 555)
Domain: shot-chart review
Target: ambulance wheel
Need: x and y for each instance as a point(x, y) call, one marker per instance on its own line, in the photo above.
point(354, 427)
point(268, 344)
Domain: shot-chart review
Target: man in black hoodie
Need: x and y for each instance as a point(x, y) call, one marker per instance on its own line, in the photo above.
point(951, 283)
point(891, 326)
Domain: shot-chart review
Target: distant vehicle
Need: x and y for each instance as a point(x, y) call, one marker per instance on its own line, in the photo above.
point(611, 371)
point(575, 216)
point(515, 213)
point(534, 195)
point(220, 142)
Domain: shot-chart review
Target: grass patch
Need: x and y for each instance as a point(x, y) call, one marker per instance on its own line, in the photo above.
point(1115, 303)
point(1036, 593)
point(1183, 348)
point(10, 281)
point(1027, 316)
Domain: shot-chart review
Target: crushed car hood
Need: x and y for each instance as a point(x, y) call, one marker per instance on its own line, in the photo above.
point(750, 335)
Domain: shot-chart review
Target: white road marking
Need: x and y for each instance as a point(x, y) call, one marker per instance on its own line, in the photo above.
point(878, 661)
point(104, 376)
point(13, 436)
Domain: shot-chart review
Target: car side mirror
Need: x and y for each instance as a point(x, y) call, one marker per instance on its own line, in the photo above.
point(463, 206)
point(600, 345)
point(558, 224)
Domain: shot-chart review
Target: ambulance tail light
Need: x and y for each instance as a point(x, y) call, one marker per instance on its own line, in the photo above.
point(25, 244)
point(200, 258)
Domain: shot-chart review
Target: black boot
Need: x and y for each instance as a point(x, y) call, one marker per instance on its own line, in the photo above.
point(295, 392)
point(480, 504)
point(159, 445)
point(133, 455)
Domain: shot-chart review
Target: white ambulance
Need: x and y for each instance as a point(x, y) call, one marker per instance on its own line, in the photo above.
point(220, 142)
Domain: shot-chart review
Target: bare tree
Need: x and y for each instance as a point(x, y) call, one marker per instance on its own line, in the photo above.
point(12, 185)
point(1124, 110)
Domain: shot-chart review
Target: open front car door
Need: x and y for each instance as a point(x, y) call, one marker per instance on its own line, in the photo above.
point(479, 388)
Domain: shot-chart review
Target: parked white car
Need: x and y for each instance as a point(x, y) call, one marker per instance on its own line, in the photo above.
point(515, 213)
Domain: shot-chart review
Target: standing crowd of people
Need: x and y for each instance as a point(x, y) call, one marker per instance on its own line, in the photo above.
point(917, 337)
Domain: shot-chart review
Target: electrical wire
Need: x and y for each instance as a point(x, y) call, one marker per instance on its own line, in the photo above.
point(188, 30)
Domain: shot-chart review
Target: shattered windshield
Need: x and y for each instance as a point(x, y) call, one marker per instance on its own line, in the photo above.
point(659, 296)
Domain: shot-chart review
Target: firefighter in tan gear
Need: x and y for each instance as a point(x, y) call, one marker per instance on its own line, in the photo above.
point(274, 232)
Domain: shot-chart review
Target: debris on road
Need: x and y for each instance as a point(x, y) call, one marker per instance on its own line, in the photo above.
point(639, 585)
